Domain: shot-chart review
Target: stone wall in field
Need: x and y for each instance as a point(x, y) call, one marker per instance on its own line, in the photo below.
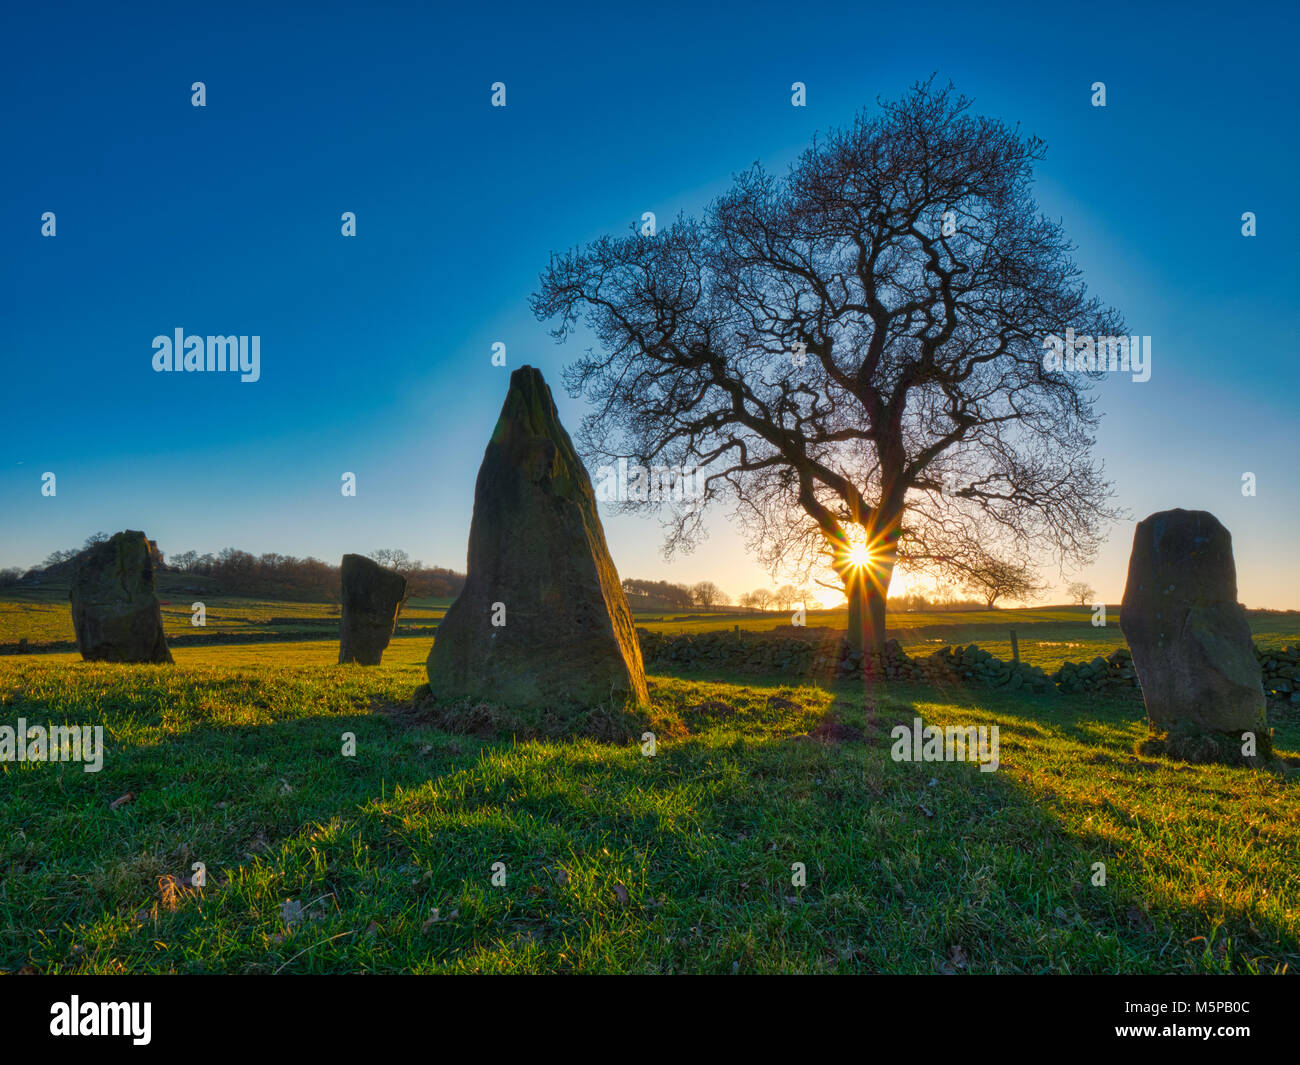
point(823, 654)
point(1115, 671)
point(1280, 667)
point(1279, 671)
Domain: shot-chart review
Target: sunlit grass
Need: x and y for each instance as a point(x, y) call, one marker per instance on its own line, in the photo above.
point(618, 862)
point(1047, 636)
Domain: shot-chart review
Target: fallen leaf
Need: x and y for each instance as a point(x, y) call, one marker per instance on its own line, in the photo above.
point(620, 893)
point(122, 800)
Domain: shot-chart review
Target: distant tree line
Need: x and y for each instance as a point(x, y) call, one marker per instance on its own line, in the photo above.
point(238, 572)
point(271, 575)
point(663, 595)
point(657, 595)
point(781, 599)
point(943, 603)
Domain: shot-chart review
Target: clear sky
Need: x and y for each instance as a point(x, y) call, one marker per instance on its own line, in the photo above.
point(375, 350)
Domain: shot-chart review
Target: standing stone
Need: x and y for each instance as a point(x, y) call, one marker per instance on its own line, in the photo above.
point(1189, 636)
point(114, 609)
point(372, 596)
point(542, 620)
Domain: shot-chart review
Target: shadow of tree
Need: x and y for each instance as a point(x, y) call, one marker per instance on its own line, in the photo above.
point(906, 867)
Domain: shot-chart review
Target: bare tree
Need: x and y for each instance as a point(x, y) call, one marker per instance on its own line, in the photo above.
point(396, 559)
point(1080, 592)
point(761, 598)
point(785, 596)
point(185, 561)
point(995, 578)
point(707, 594)
point(853, 355)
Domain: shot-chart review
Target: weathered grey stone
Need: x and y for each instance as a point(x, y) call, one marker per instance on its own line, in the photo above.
point(115, 611)
point(1189, 636)
point(372, 597)
point(539, 566)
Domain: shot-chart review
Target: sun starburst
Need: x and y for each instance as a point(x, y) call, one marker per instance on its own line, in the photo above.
point(857, 551)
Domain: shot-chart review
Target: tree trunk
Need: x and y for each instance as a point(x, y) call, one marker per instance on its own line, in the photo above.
point(867, 586)
point(866, 598)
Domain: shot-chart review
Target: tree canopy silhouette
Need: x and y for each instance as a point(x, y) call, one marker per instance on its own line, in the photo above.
point(854, 355)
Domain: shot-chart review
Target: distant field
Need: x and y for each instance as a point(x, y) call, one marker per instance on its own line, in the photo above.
point(43, 616)
point(1047, 636)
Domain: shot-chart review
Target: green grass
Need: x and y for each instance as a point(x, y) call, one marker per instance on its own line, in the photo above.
point(617, 862)
point(43, 616)
point(1047, 636)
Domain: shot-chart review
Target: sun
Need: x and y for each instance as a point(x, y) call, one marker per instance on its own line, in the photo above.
point(860, 555)
point(857, 550)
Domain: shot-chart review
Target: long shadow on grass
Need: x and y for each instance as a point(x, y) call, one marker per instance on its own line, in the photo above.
point(1168, 865)
point(759, 842)
point(1198, 861)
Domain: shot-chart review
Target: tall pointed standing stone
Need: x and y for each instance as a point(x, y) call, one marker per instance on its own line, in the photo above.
point(1189, 636)
point(115, 611)
point(542, 620)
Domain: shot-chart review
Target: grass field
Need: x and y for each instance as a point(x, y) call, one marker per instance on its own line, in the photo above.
point(43, 616)
point(1047, 636)
point(614, 861)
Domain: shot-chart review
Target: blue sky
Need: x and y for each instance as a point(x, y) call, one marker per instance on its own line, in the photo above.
point(375, 351)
